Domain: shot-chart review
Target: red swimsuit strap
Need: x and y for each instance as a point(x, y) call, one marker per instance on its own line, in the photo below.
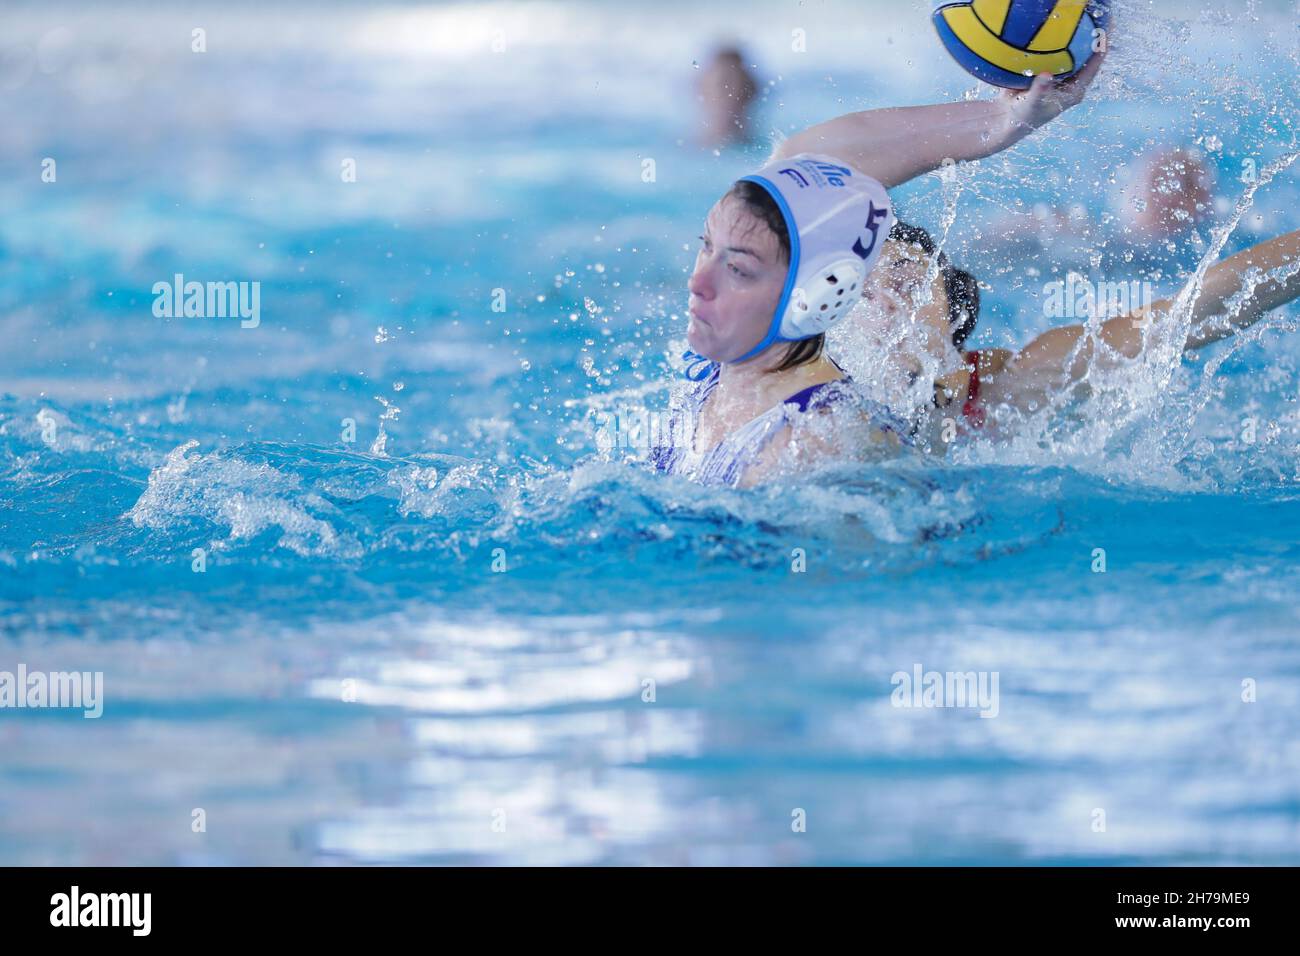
point(971, 408)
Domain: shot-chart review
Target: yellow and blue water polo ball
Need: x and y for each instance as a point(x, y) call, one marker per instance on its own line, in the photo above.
point(1009, 42)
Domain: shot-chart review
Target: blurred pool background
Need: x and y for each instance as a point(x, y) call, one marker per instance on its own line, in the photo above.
point(349, 681)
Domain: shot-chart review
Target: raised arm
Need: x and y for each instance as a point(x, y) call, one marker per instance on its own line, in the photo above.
point(1235, 294)
point(898, 144)
point(1239, 290)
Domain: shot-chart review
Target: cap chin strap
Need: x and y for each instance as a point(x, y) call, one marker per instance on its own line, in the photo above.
point(698, 367)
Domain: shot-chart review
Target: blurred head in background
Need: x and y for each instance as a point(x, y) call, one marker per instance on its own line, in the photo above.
point(725, 90)
point(911, 326)
point(1172, 192)
point(945, 313)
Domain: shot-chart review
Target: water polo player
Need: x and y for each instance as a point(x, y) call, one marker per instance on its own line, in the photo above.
point(783, 257)
point(980, 388)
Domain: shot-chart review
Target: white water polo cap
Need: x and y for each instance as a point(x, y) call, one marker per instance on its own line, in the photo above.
point(838, 221)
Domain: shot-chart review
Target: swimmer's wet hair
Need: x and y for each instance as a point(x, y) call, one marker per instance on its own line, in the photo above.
point(963, 303)
point(760, 204)
point(959, 286)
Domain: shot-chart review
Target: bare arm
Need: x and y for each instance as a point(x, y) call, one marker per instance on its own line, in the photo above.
point(895, 145)
point(1235, 294)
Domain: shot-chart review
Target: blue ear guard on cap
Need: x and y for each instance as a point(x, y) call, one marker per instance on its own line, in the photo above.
point(838, 220)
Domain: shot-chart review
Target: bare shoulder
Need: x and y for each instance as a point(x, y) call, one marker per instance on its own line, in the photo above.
point(992, 361)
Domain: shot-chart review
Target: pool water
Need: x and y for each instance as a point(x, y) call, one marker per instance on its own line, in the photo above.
point(364, 589)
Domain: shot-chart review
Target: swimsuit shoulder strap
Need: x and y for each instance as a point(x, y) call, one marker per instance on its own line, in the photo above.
point(815, 396)
point(971, 407)
point(826, 394)
point(807, 397)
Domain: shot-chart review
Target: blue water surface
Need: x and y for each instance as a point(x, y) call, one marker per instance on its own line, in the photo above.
point(456, 632)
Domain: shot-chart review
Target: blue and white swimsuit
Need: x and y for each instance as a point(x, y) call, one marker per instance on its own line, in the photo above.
point(729, 460)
